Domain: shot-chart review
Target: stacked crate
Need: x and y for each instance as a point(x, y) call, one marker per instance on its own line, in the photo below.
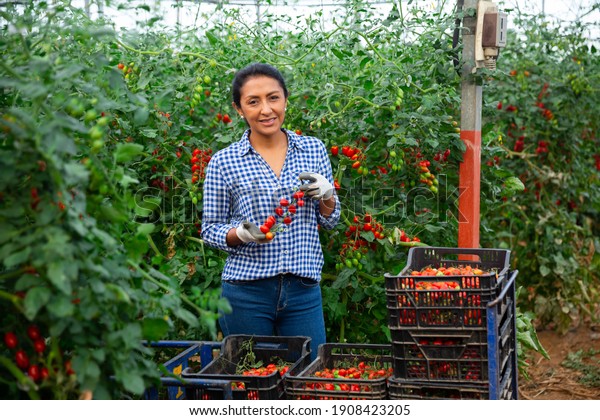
point(263, 350)
point(453, 336)
point(344, 371)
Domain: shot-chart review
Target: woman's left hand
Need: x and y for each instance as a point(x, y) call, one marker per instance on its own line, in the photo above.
point(318, 187)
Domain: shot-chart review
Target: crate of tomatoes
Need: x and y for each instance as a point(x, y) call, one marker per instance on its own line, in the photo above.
point(255, 365)
point(446, 287)
point(464, 362)
point(455, 356)
point(344, 371)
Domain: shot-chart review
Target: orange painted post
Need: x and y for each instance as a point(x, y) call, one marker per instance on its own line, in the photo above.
point(469, 187)
point(469, 184)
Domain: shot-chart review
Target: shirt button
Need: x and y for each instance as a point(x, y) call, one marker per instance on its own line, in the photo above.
point(285, 252)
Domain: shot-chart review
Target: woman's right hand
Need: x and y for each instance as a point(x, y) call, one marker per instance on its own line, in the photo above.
point(249, 232)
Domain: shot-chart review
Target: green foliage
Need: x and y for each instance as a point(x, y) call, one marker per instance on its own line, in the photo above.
point(587, 363)
point(542, 127)
point(527, 340)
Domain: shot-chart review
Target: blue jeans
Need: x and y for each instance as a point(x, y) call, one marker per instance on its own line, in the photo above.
point(284, 305)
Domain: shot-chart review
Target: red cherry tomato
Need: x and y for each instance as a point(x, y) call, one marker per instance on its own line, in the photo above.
point(10, 339)
point(22, 359)
point(33, 332)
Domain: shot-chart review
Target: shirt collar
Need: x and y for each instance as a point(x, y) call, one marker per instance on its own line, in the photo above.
point(294, 139)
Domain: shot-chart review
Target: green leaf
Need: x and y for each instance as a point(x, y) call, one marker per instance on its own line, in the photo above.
point(118, 292)
point(18, 257)
point(34, 300)
point(108, 241)
point(133, 382)
point(343, 278)
point(128, 151)
point(149, 132)
point(88, 371)
point(211, 38)
point(61, 306)
point(126, 180)
point(513, 185)
point(58, 277)
point(140, 116)
point(68, 72)
point(145, 229)
point(338, 53)
point(34, 90)
point(544, 270)
point(433, 228)
point(153, 329)
point(75, 173)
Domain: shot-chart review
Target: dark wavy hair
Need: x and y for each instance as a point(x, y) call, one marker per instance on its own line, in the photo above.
point(255, 70)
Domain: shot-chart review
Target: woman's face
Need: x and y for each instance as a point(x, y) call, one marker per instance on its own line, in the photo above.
point(262, 104)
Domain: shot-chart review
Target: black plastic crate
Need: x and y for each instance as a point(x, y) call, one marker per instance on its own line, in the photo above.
point(443, 355)
point(454, 301)
point(505, 389)
point(371, 357)
point(462, 357)
point(294, 351)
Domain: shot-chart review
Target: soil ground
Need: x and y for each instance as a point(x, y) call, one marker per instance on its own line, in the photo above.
point(550, 379)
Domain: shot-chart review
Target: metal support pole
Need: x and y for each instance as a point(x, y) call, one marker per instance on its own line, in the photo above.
point(470, 132)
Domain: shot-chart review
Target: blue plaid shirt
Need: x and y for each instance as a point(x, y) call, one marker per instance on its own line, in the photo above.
point(240, 185)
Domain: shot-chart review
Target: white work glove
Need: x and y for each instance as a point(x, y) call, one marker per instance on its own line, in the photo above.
point(318, 187)
point(249, 232)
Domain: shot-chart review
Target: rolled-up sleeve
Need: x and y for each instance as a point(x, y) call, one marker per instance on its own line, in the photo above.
point(216, 208)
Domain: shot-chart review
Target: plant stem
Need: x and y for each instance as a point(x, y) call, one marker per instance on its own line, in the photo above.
point(343, 321)
point(23, 379)
point(166, 288)
point(153, 246)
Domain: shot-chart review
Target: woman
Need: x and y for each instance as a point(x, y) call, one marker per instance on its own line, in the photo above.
point(271, 284)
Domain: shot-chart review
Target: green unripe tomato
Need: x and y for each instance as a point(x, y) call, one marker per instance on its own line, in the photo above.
point(393, 154)
point(207, 79)
point(75, 108)
point(90, 115)
point(349, 263)
point(195, 200)
point(96, 132)
point(97, 145)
